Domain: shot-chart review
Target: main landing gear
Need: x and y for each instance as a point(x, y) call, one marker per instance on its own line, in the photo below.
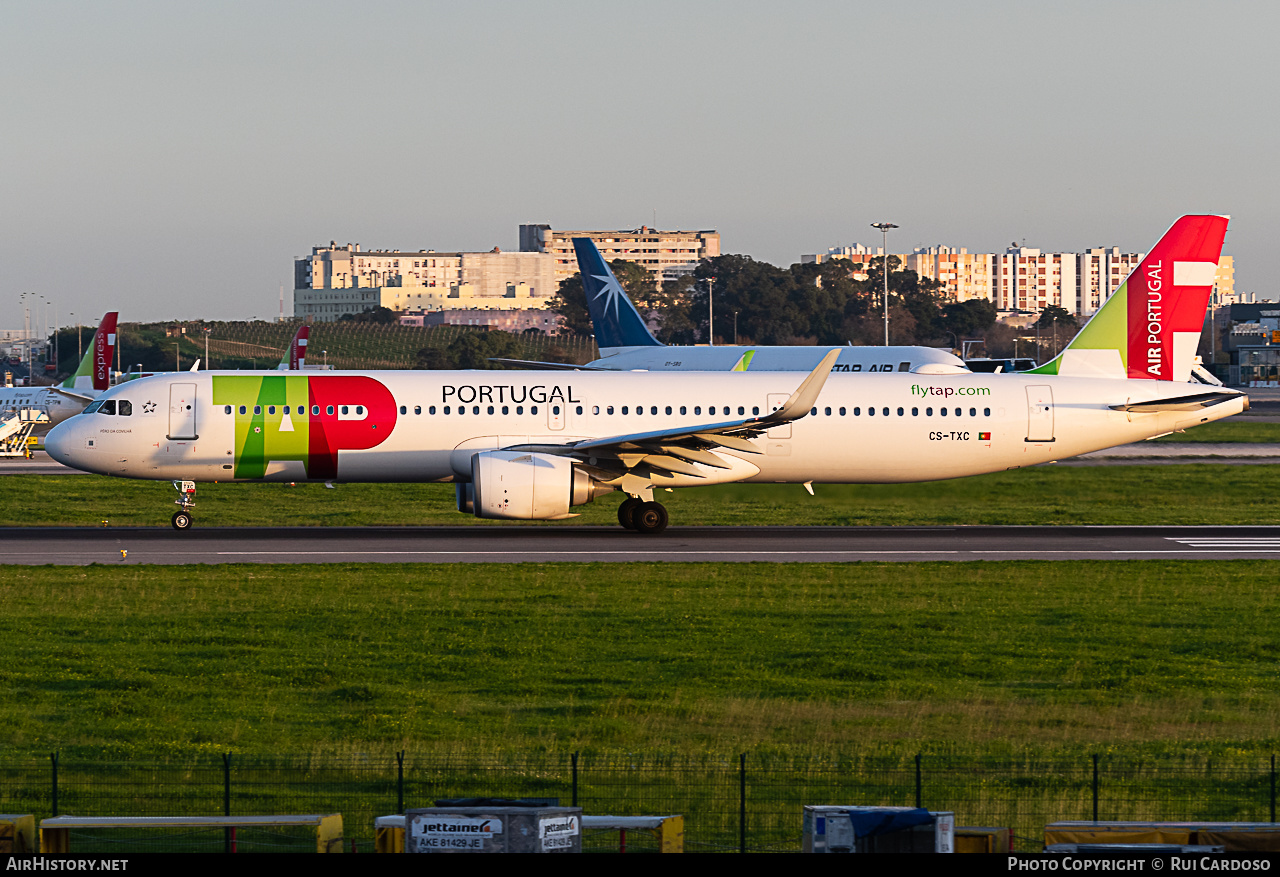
point(182, 520)
point(643, 517)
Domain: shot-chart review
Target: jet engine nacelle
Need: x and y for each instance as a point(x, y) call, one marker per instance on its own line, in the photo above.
point(514, 484)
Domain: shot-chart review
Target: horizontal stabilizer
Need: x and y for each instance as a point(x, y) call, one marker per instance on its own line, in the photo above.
point(1182, 403)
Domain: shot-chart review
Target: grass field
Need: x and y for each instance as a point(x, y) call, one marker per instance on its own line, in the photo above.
point(1182, 494)
point(1046, 658)
point(1239, 430)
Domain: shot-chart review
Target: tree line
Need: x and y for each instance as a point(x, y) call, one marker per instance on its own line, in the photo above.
point(823, 304)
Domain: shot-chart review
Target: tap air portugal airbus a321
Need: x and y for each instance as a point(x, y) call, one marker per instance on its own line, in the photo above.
point(531, 445)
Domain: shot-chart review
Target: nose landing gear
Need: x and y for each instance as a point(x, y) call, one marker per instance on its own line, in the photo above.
point(182, 520)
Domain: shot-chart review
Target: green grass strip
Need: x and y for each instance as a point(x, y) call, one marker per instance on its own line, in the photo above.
point(1039, 657)
point(1176, 494)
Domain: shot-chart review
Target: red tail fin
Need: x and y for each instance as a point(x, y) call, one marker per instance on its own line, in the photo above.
point(298, 350)
point(104, 351)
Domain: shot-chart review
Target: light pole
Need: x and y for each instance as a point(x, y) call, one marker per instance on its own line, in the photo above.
point(884, 230)
point(711, 313)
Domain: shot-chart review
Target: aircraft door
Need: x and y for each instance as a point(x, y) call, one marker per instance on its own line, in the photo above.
point(555, 415)
point(182, 411)
point(776, 401)
point(1040, 413)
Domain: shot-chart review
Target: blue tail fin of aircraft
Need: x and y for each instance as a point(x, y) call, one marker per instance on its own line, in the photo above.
point(617, 322)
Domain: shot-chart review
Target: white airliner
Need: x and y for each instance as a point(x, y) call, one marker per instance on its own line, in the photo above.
point(626, 344)
point(531, 445)
point(73, 395)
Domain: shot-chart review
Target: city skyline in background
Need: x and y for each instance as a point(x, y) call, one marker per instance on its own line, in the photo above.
point(173, 162)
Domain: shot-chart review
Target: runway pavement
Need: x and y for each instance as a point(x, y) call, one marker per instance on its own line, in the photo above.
point(516, 543)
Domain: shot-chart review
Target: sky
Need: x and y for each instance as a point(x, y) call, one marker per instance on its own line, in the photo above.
point(171, 160)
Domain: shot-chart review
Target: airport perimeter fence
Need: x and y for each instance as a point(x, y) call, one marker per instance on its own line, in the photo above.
point(739, 803)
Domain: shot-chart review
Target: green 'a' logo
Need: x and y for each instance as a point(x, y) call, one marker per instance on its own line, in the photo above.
point(271, 419)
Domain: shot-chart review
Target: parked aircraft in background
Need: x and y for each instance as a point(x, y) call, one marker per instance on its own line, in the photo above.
point(73, 395)
point(626, 344)
point(295, 357)
point(531, 445)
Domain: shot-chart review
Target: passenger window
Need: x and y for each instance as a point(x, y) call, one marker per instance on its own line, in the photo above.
point(126, 408)
point(653, 409)
point(595, 409)
point(814, 411)
point(226, 410)
point(842, 412)
point(755, 409)
point(609, 410)
point(533, 409)
point(417, 409)
point(344, 409)
point(973, 412)
point(682, 410)
point(928, 412)
point(697, 409)
point(986, 412)
point(827, 412)
point(624, 409)
point(490, 409)
point(742, 411)
point(431, 410)
point(475, 409)
point(271, 409)
point(900, 412)
point(404, 409)
point(915, 412)
point(942, 411)
point(555, 409)
point(886, 412)
point(505, 409)
point(857, 412)
point(359, 410)
point(957, 412)
point(578, 410)
point(446, 409)
point(519, 409)
point(668, 409)
point(257, 409)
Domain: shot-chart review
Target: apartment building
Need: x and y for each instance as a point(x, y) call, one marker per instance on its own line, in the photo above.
point(344, 279)
point(1023, 278)
point(668, 255)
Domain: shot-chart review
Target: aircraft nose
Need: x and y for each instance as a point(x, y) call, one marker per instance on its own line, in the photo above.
point(57, 443)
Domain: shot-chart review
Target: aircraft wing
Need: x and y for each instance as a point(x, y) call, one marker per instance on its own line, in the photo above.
point(79, 397)
point(680, 449)
point(1178, 403)
point(548, 366)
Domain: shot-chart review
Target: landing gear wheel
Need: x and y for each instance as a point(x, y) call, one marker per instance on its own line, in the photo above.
point(627, 512)
point(649, 517)
point(181, 520)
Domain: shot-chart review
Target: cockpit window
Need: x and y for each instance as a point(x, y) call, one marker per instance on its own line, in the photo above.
point(93, 407)
point(108, 406)
point(126, 408)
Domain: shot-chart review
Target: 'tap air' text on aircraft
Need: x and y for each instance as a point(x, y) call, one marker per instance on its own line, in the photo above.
point(532, 445)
